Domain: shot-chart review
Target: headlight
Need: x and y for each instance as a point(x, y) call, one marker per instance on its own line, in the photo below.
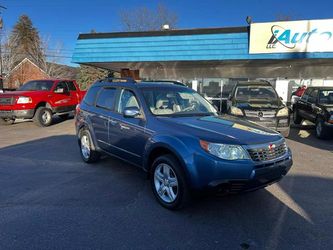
point(236, 111)
point(225, 151)
point(283, 112)
point(24, 100)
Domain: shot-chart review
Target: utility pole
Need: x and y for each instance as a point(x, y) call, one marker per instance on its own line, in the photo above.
point(1, 26)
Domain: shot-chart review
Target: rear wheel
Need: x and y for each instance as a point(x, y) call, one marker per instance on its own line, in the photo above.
point(43, 117)
point(5, 121)
point(296, 118)
point(321, 132)
point(168, 183)
point(87, 149)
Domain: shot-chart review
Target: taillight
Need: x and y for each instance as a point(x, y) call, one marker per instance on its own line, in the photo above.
point(77, 109)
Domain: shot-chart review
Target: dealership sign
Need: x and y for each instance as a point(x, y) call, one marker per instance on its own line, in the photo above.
point(293, 36)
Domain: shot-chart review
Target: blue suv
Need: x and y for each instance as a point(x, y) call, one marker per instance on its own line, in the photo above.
point(178, 138)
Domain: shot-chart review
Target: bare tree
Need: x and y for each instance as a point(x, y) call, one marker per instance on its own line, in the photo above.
point(52, 61)
point(8, 58)
point(146, 19)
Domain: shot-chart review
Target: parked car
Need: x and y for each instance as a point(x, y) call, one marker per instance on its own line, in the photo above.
point(175, 135)
point(258, 102)
point(316, 105)
point(40, 100)
point(296, 95)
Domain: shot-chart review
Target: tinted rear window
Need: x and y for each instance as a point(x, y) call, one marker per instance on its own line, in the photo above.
point(106, 98)
point(90, 97)
point(71, 86)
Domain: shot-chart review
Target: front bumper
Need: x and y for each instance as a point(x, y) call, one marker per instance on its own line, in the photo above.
point(236, 176)
point(17, 114)
point(281, 124)
point(260, 178)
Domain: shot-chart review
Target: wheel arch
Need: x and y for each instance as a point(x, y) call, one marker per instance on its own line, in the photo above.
point(178, 150)
point(43, 104)
point(85, 126)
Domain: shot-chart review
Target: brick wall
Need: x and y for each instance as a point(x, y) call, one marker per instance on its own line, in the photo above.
point(25, 71)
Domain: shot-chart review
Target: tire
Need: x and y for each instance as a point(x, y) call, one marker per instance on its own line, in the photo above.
point(6, 121)
point(168, 183)
point(43, 117)
point(321, 131)
point(87, 149)
point(296, 118)
point(64, 116)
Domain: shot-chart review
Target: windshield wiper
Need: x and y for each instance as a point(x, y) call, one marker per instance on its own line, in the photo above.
point(190, 114)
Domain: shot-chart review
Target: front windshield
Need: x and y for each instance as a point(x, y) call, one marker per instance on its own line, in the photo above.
point(326, 97)
point(177, 102)
point(256, 94)
point(37, 85)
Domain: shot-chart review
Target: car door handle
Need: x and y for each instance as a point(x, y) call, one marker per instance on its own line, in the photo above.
point(113, 122)
point(124, 127)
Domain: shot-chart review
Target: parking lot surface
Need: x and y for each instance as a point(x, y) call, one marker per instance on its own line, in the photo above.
point(50, 199)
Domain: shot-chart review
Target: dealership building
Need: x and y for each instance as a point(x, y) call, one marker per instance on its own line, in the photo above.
point(288, 54)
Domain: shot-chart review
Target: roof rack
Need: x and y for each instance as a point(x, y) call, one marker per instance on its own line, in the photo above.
point(165, 81)
point(119, 79)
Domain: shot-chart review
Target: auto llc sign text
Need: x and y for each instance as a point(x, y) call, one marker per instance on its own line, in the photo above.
point(294, 36)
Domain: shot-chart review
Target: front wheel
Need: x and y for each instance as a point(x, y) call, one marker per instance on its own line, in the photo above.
point(87, 150)
point(168, 183)
point(296, 118)
point(320, 129)
point(43, 117)
point(4, 121)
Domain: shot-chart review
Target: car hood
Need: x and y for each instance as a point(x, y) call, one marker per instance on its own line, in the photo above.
point(328, 107)
point(223, 129)
point(22, 93)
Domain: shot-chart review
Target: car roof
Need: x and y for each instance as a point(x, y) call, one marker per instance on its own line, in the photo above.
point(321, 87)
point(256, 83)
point(145, 84)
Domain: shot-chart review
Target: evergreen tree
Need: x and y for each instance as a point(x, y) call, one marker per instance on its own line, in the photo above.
point(88, 75)
point(24, 41)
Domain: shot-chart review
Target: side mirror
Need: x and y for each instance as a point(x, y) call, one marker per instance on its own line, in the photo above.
point(59, 91)
point(131, 112)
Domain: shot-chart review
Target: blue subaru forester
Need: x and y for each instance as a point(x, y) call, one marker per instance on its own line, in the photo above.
point(177, 136)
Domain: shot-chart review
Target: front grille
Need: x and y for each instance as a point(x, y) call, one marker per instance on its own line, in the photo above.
point(268, 152)
point(260, 114)
point(6, 100)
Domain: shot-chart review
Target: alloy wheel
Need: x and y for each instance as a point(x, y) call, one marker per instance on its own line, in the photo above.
point(166, 183)
point(85, 146)
point(319, 128)
point(46, 117)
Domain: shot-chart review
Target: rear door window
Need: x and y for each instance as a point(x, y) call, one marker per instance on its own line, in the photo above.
point(71, 86)
point(106, 98)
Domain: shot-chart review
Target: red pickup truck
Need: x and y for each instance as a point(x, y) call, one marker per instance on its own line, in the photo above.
point(40, 100)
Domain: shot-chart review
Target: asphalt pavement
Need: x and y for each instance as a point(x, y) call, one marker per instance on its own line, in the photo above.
point(50, 199)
